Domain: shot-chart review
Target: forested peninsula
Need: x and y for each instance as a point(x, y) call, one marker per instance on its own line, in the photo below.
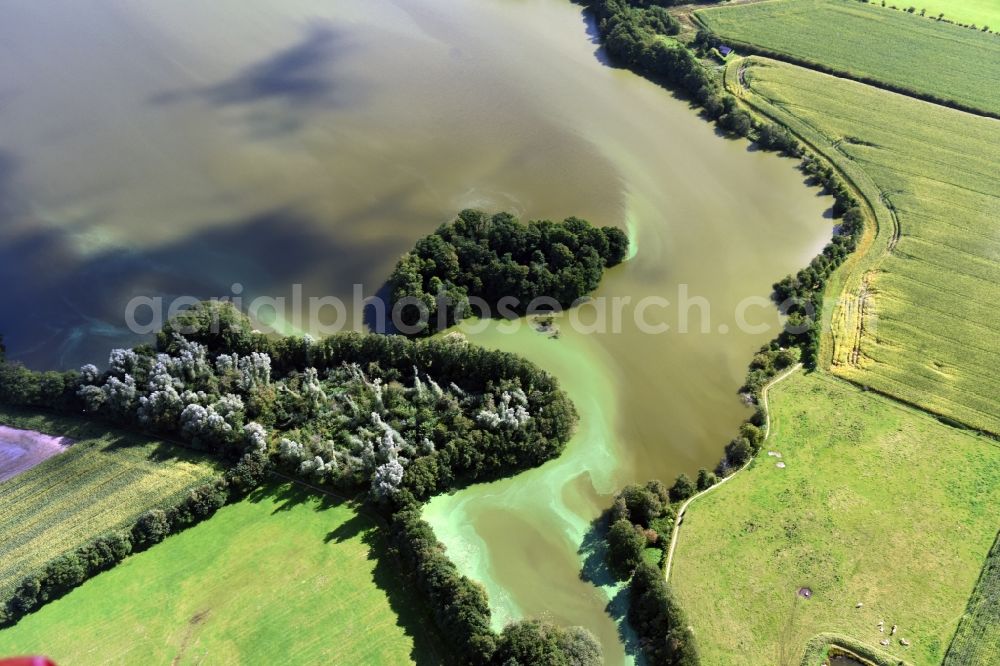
point(389, 420)
point(503, 265)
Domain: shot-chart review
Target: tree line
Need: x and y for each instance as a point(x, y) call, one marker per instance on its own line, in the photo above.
point(68, 570)
point(636, 33)
point(641, 520)
point(503, 262)
point(397, 419)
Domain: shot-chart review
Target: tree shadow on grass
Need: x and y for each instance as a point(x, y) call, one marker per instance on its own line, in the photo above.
point(109, 437)
point(411, 613)
point(348, 529)
point(595, 571)
point(287, 495)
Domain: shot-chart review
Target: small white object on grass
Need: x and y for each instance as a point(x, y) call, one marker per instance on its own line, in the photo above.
point(858, 605)
point(780, 465)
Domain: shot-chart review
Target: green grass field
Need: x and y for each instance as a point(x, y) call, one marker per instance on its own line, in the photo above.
point(866, 41)
point(975, 12)
point(977, 640)
point(101, 483)
point(282, 577)
point(930, 329)
point(879, 504)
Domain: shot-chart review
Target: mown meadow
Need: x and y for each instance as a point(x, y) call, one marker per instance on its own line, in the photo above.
point(283, 576)
point(979, 13)
point(977, 640)
point(878, 503)
point(929, 330)
point(891, 48)
point(101, 483)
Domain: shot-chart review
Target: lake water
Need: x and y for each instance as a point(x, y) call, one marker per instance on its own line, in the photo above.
point(167, 149)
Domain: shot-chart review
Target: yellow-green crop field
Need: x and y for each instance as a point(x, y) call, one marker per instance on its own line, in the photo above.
point(976, 12)
point(878, 503)
point(930, 336)
point(870, 42)
point(977, 640)
point(101, 483)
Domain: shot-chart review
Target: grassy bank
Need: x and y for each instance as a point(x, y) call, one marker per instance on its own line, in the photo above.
point(101, 483)
point(876, 44)
point(281, 576)
point(926, 322)
point(878, 503)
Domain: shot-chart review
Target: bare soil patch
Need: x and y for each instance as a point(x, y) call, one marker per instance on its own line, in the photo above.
point(20, 450)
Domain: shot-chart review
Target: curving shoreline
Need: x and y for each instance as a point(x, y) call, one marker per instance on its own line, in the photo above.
point(767, 432)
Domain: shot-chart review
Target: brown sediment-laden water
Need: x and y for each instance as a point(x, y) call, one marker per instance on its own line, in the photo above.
point(176, 149)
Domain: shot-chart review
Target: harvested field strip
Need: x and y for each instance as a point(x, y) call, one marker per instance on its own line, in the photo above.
point(977, 640)
point(930, 335)
point(101, 483)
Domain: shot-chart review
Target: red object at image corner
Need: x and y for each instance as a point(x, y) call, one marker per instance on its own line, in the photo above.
point(27, 661)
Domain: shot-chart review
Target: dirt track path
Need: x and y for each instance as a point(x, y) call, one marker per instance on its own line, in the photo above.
point(767, 433)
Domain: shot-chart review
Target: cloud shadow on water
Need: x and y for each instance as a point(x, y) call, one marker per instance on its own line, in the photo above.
point(279, 89)
point(9, 166)
point(63, 309)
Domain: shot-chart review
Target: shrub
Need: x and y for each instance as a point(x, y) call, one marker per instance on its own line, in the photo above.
point(659, 621)
point(738, 452)
point(532, 642)
point(682, 488)
point(625, 546)
point(706, 479)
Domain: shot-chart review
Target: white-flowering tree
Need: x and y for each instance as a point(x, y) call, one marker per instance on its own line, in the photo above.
point(92, 396)
point(255, 437)
point(388, 478)
point(511, 412)
point(120, 395)
point(250, 371)
point(290, 451)
point(313, 396)
point(89, 374)
point(123, 362)
point(161, 408)
point(191, 362)
point(214, 425)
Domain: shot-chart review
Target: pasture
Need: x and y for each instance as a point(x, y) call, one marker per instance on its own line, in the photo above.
point(282, 577)
point(878, 503)
point(878, 44)
point(928, 331)
point(977, 640)
point(975, 12)
point(101, 483)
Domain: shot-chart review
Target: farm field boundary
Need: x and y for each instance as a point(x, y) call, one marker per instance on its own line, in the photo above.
point(914, 322)
point(959, 67)
point(209, 592)
point(900, 518)
point(977, 640)
point(103, 482)
point(848, 286)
